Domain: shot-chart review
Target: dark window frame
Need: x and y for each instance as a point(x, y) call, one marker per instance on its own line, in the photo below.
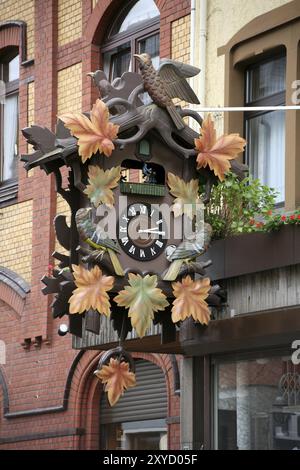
point(133, 36)
point(8, 187)
point(275, 99)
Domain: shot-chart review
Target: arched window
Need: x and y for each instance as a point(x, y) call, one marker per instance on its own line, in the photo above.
point(134, 31)
point(9, 88)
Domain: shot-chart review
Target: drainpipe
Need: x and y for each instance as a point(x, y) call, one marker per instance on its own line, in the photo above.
point(202, 50)
point(198, 50)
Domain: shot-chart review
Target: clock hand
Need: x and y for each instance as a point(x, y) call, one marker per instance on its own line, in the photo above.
point(154, 231)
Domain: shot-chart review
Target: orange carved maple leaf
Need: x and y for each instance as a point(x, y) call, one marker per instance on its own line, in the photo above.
point(190, 300)
point(91, 291)
point(94, 134)
point(117, 378)
point(217, 153)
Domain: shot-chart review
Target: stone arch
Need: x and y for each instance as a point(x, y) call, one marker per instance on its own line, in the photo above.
point(13, 290)
point(86, 393)
point(101, 17)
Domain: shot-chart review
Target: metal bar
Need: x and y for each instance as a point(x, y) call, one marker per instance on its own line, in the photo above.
point(247, 108)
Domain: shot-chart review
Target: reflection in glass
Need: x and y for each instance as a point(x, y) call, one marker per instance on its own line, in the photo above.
point(143, 10)
point(257, 405)
point(266, 78)
point(13, 69)
point(10, 136)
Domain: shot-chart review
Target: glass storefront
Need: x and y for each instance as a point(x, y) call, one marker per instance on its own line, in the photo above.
point(257, 404)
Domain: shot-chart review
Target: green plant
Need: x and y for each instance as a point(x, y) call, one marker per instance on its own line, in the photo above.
point(239, 206)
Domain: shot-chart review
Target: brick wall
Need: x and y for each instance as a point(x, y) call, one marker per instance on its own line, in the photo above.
point(69, 89)
point(69, 21)
point(61, 37)
point(16, 238)
point(20, 10)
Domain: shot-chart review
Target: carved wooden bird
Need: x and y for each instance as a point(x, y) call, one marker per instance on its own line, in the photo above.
point(187, 251)
point(92, 235)
point(168, 82)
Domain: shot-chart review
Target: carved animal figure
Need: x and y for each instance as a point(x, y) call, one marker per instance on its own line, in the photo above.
point(187, 251)
point(90, 233)
point(168, 82)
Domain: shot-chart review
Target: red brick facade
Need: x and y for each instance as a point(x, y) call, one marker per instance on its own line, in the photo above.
point(49, 397)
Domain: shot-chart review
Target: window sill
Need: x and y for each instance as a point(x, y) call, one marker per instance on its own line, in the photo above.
point(8, 192)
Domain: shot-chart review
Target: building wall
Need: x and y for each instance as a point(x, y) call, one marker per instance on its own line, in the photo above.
point(42, 371)
point(62, 40)
point(237, 13)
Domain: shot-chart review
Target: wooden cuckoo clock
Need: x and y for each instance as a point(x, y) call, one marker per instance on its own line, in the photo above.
point(135, 166)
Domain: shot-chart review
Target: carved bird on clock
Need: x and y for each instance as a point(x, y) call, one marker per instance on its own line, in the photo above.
point(168, 82)
point(187, 251)
point(95, 238)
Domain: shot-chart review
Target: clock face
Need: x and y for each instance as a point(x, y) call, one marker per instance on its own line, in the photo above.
point(142, 232)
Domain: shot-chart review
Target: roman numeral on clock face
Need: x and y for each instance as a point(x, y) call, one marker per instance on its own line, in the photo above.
point(142, 232)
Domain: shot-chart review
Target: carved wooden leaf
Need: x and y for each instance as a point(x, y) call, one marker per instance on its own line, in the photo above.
point(91, 291)
point(186, 194)
point(142, 298)
point(190, 300)
point(94, 134)
point(117, 378)
point(101, 183)
point(217, 153)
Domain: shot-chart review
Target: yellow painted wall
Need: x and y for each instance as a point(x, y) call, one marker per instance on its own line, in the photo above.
point(224, 19)
point(16, 238)
point(20, 10)
point(69, 89)
point(69, 21)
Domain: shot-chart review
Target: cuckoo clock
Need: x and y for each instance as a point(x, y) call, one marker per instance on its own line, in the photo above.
point(135, 166)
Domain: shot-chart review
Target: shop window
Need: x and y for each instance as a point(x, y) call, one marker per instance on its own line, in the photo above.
point(265, 131)
point(257, 404)
point(134, 31)
point(9, 76)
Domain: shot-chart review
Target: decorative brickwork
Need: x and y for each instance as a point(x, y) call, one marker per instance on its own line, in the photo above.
point(20, 10)
point(16, 238)
point(69, 21)
point(69, 89)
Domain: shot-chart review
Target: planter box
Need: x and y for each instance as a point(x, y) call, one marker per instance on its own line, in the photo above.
point(253, 252)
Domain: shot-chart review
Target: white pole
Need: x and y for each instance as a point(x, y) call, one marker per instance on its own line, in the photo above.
point(220, 109)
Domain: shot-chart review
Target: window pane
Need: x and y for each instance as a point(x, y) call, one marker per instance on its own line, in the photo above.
point(120, 63)
point(143, 10)
point(265, 79)
point(257, 405)
point(10, 135)
point(266, 150)
point(117, 61)
point(13, 69)
point(151, 46)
